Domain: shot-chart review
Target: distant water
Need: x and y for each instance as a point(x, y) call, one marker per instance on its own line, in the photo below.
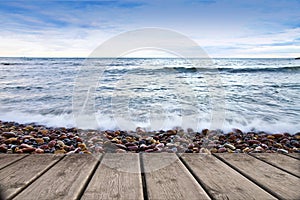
point(261, 94)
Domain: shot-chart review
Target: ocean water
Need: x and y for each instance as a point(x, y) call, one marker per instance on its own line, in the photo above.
point(153, 93)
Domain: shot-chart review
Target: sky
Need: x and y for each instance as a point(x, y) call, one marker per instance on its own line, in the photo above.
point(222, 28)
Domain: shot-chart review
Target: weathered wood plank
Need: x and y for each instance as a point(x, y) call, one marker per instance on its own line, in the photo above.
point(220, 180)
point(282, 161)
point(167, 178)
point(294, 155)
point(15, 177)
point(117, 177)
point(65, 180)
point(6, 159)
point(279, 183)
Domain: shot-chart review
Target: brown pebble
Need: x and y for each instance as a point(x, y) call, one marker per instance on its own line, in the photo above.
point(38, 150)
point(28, 150)
point(8, 134)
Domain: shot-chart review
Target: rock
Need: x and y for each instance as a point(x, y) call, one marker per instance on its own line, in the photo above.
point(133, 148)
point(3, 148)
point(28, 149)
point(38, 150)
point(25, 146)
point(251, 142)
point(282, 151)
point(259, 149)
point(230, 146)
point(121, 146)
point(246, 150)
point(8, 134)
point(39, 141)
point(214, 150)
point(82, 146)
point(60, 151)
point(12, 140)
point(149, 150)
point(51, 143)
point(271, 137)
point(29, 128)
point(120, 151)
point(204, 150)
point(222, 150)
point(160, 145)
point(171, 132)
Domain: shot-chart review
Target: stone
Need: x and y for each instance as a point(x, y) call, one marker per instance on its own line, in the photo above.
point(3, 148)
point(59, 151)
point(282, 151)
point(222, 150)
point(120, 151)
point(121, 146)
point(133, 148)
point(204, 150)
point(39, 141)
point(51, 143)
point(214, 150)
point(82, 146)
point(259, 149)
point(38, 150)
point(28, 150)
point(8, 134)
point(230, 146)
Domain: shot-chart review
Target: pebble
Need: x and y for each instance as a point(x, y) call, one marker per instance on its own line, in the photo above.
point(222, 150)
point(230, 146)
point(282, 151)
point(30, 138)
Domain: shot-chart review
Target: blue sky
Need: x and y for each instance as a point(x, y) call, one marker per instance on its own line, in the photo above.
point(223, 28)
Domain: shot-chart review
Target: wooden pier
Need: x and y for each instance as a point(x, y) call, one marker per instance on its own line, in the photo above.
point(150, 176)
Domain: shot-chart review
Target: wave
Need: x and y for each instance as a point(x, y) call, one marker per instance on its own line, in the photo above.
point(235, 70)
point(202, 69)
point(104, 122)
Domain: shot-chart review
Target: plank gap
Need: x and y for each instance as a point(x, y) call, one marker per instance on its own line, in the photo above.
point(195, 176)
point(248, 177)
point(14, 161)
point(292, 156)
point(143, 176)
point(86, 184)
point(34, 179)
point(291, 173)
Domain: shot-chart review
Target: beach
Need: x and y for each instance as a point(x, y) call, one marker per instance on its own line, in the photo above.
point(149, 105)
point(37, 139)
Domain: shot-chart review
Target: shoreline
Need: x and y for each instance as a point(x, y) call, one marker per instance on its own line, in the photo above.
point(37, 139)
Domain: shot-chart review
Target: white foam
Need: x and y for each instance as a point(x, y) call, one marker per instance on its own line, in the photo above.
point(104, 122)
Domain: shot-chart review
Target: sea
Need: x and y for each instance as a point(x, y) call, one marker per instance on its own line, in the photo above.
point(252, 94)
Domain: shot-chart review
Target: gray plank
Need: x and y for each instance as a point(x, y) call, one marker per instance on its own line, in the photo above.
point(65, 180)
point(167, 178)
point(15, 177)
point(279, 183)
point(294, 155)
point(6, 159)
point(117, 177)
point(220, 180)
point(282, 161)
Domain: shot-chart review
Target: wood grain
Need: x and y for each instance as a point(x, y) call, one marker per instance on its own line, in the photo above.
point(220, 180)
point(282, 161)
point(117, 177)
point(172, 181)
point(294, 155)
point(63, 181)
point(6, 159)
point(279, 183)
point(15, 177)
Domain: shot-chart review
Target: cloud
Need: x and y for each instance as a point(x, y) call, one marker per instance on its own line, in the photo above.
point(222, 27)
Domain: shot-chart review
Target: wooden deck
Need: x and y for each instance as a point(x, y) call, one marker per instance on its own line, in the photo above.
point(150, 176)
